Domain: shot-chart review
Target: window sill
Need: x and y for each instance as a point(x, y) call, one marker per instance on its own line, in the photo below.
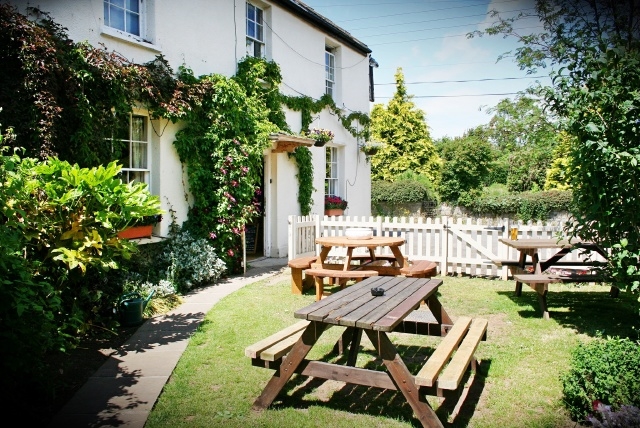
point(128, 38)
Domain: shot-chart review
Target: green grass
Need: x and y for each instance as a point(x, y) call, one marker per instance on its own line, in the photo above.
point(519, 384)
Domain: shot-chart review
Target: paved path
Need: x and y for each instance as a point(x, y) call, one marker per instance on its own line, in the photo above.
point(123, 391)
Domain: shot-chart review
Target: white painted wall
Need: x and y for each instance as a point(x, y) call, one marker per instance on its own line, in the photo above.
point(208, 36)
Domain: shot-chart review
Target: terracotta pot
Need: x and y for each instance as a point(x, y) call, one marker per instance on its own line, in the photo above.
point(136, 232)
point(333, 211)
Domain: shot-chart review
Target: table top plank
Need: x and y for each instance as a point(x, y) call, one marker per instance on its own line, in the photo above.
point(356, 307)
point(392, 299)
point(331, 302)
point(348, 314)
point(373, 242)
point(377, 303)
point(393, 318)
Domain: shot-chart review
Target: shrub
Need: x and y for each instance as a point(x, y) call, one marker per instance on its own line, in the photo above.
point(604, 370)
point(526, 205)
point(57, 243)
point(398, 192)
point(191, 262)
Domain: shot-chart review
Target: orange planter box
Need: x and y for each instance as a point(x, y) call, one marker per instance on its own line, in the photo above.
point(136, 232)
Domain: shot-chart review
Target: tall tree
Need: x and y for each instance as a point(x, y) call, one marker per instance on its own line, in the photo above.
point(407, 143)
point(525, 134)
point(465, 166)
point(594, 47)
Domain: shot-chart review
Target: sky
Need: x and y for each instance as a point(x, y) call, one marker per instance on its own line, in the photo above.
point(452, 79)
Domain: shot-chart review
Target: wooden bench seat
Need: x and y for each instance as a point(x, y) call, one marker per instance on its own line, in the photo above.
point(456, 352)
point(298, 265)
point(269, 350)
point(420, 269)
point(341, 275)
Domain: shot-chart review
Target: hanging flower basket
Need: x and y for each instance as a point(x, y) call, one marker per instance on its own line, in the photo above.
point(370, 148)
point(321, 136)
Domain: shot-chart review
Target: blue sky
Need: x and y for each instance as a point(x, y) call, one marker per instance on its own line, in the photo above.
point(444, 71)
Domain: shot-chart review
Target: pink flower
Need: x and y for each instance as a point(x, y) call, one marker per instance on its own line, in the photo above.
point(224, 171)
point(212, 235)
point(234, 183)
point(230, 252)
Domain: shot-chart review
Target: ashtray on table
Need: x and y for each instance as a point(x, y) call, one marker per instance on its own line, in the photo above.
point(358, 233)
point(377, 291)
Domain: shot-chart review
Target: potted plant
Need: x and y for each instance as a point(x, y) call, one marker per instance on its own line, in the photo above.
point(334, 205)
point(370, 148)
point(322, 136)
point(142, 228)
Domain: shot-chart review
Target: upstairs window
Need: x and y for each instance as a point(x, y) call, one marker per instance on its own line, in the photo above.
point(123, 15)
point(330, 71)
point(134, 150)
point(331, 177)
point(255, 31)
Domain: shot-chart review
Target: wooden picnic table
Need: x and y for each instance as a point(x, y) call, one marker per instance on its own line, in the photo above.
point(357, 309)
point(394, 243)
point(538, 281)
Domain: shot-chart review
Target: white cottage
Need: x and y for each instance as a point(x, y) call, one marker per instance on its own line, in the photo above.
point(211, 36)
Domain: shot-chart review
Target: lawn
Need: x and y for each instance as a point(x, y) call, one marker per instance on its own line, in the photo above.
point(518, 385)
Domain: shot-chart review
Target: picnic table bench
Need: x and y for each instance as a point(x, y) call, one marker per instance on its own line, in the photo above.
point(447, 373)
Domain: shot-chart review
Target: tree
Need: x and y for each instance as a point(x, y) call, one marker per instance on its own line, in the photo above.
point(408, 146)
point(594, 47)
point(525, 135)
point(465, 167)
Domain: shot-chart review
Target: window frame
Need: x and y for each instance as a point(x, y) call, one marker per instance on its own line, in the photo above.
point(127, 11)
point(331, 179)
point(256, 42)
point(129, 172)
point(329, 71)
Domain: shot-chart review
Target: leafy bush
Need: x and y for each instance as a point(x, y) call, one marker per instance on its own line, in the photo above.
point(397, 192)
point(605, 370)
point(526, 205)
point(191, 262)
point(57, 243)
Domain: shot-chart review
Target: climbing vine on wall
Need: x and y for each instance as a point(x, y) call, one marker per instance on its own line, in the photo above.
point(72, 96)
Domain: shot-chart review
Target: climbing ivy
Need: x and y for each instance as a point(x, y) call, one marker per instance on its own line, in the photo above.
point(302, 156)
point(64, 99)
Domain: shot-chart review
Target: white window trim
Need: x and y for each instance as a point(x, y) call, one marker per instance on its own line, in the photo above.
point(148, 170)
point(329, 51)
point(124, 36)
point(128, 37)
point(335, 164)
point(262, 42)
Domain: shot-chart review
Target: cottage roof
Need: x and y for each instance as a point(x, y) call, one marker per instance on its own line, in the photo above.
point(308, 14)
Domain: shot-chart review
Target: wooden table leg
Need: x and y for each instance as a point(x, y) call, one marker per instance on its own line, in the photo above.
point(403, 379)
point(289, 365)
point(522, 261)
point(439, 313)
point(399, 257)
point(354, 347)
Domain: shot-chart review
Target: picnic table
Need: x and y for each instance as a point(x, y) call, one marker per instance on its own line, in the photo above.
point(358, 310)
point(396, 263)
point(539, 280)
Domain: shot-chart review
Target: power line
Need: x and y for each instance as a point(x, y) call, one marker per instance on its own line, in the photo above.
point(445, 37)
point(406, 13)
point(433, 20)
point(457, 96)
point(463, 81)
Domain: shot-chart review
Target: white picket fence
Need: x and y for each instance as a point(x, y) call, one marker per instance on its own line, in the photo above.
point(459, 246)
